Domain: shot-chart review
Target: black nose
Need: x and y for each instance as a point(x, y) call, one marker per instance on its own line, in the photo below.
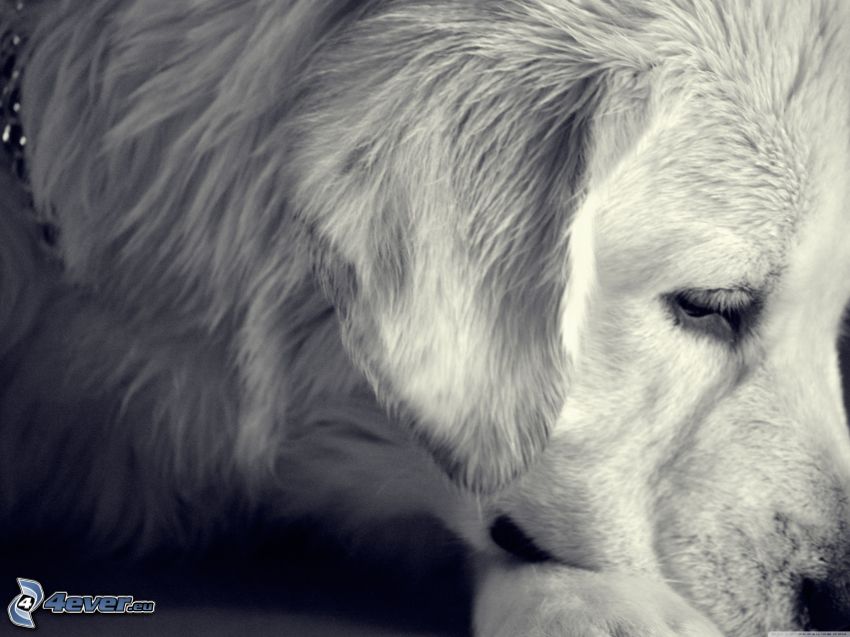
point(828, 602)
point(511, 538)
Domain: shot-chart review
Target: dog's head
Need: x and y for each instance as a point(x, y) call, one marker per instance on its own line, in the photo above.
point(596, 255)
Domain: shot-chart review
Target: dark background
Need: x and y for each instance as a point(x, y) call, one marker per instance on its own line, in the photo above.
point(295, 583)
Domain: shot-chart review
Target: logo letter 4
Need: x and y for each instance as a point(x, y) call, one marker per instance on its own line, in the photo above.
point(26, 603)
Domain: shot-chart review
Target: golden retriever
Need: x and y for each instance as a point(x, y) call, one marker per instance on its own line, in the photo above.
point(568, 274)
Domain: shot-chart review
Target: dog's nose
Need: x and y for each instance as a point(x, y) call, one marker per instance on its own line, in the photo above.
point(828, 602)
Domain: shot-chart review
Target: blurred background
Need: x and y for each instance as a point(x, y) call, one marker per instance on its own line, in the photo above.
point(292, 582)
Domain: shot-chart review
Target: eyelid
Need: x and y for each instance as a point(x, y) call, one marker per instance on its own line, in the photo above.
point(727, 314)
point(722, 299)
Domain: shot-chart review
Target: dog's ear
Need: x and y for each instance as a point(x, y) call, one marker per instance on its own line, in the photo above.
point(436, 167)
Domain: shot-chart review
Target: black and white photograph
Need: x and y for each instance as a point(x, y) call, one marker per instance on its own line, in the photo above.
point(425, 318)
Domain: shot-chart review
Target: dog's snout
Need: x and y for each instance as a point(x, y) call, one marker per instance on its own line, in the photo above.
point(828, 602)
point(508, 536)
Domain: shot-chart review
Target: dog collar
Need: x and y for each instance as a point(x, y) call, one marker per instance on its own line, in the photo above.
point(11, 129)
point(12, 136)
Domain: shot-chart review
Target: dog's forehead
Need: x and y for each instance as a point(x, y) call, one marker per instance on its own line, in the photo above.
point(697, 205)
point(731, 177)
point(699, 208)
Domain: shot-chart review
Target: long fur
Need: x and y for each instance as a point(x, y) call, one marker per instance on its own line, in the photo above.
point(351, 257)
point(214, 268)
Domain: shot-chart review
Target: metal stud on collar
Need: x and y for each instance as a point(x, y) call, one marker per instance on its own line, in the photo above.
point(12, 136)
point(12, 132)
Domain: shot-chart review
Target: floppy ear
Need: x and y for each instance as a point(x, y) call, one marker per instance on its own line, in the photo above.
point(436, 166)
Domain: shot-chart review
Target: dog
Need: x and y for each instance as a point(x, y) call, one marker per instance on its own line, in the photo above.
point(568, 275)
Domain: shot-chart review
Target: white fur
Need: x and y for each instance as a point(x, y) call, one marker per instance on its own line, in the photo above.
point(314, 252)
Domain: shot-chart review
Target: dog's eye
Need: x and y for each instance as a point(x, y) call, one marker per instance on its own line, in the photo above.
point(717, 313)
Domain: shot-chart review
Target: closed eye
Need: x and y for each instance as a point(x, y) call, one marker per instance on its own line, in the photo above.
point(721, 314)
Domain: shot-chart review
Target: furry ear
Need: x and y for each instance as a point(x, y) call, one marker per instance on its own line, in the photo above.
point(437, 160)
